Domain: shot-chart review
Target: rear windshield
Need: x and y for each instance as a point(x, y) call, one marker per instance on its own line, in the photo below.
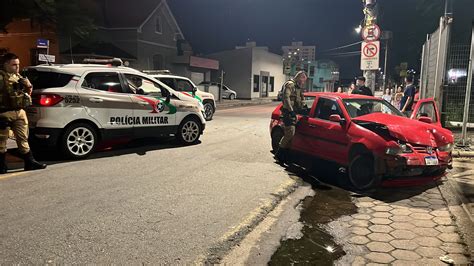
point(44, 80)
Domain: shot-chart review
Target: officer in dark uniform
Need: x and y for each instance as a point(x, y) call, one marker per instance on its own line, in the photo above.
point(293, 103)
point(15, 92)
point(361, 88)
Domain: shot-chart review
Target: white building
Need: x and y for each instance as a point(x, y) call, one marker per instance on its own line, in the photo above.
point(252, 71)
point(297, 49)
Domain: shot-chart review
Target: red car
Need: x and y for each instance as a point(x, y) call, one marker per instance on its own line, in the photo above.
point(370, 137)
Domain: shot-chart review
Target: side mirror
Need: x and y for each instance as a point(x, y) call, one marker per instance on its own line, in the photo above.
point(335, 118)
point(194, 91)
point(425, 119)
point(167, 95)
point(140, 91)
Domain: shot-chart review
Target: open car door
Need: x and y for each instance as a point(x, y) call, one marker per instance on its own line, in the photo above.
point(426, 111)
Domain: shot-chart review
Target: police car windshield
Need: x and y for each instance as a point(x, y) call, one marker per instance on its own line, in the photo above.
point(360, 107)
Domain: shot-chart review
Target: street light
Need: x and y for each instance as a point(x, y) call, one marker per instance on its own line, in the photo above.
point(358, 29)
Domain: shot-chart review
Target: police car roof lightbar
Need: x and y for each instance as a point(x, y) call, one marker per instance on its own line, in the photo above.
point(165, 71)
point(113, 62)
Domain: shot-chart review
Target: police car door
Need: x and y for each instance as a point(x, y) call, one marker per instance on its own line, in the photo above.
point(156, 115)
point(107, 100)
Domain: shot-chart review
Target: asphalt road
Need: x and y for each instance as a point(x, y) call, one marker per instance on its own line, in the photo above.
point(147, 203)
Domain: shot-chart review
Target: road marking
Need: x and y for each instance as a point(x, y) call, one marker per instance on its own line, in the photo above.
point(6, 176)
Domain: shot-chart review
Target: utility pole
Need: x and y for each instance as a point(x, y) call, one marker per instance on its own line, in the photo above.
point(370, 11)
point(470, 73)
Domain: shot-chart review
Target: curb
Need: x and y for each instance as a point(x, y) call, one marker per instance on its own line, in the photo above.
point(233, 238)
point(461, 153)
point(233, 105)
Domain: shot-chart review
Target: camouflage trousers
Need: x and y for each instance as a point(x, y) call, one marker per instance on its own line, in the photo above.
point(18, 123)
point(289, 133)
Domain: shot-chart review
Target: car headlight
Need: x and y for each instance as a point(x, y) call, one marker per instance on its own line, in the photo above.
point(402, 148)
point(447, 148)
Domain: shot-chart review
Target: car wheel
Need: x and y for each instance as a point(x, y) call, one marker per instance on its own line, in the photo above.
point(362, 173)
point(189, 131)
point(232, 96)
point(78, 141)
point(208, 111)
point(277, 135)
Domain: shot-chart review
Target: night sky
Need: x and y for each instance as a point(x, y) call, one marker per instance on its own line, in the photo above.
point(216, 25)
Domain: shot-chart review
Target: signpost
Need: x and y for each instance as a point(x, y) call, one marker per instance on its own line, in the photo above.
point(370, 55)
point(46, 58)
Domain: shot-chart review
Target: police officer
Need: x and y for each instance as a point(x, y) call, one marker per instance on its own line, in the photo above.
point(15, 94)
point(361, 88)
point(292, 104)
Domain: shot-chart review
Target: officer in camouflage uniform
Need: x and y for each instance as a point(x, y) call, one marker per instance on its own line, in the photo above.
point(15, 94)
point(293, 103)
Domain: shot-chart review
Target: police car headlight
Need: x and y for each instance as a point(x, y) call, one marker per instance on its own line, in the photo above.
point(447, 148)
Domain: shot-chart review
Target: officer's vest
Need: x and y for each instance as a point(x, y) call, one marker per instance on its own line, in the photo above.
point(13, 97)
point(294, 94)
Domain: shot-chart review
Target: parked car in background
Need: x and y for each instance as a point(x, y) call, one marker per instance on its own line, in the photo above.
point(227, 93)
point(187, 87)
point(371, 138)
point(77, 106)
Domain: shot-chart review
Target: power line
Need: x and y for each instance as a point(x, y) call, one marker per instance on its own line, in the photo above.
point(342, 47)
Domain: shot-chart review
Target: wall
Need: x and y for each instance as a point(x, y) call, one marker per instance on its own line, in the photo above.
point(262, 60)
point(237, 65)
point(21, 38)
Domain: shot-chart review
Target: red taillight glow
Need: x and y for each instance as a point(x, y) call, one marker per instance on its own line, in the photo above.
point(47, 99)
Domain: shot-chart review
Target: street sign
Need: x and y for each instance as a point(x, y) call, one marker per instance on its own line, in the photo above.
point(42, 43)
point(371, 33)
point(46, 58)
point(370, 53)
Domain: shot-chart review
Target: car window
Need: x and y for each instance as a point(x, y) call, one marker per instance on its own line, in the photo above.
point(184, 85)
point(427, 110)
point(360, 107)
point(141, 85)
point(325, 108)
point(309, 100)
point(104, 81)
point(44, 80)
point(168, 82)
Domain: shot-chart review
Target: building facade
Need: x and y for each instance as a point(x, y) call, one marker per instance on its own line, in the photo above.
point(251, 71)
point(297, 49)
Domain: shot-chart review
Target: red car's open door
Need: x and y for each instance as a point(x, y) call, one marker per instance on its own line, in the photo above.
point(426, 110)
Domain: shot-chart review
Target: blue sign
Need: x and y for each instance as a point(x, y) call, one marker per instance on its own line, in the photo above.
point(42, 43)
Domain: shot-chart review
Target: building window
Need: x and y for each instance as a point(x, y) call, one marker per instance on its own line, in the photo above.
point(158, 62)
point(311, 71)
point(272, 84)
point(158, 28)
point(256, 83)
point(321, 80)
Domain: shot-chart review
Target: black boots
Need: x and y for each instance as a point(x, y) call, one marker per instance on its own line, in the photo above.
point(3, 165)
point(31, 163)
point(282, 156)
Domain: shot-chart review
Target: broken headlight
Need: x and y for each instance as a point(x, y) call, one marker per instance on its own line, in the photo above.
point(447, 148)
point(402, 148)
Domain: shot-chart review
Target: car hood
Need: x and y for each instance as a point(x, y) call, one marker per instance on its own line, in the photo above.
point(410, 130)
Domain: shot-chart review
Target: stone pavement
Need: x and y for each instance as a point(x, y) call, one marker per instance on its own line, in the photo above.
point(402, 226)
point(462, 181)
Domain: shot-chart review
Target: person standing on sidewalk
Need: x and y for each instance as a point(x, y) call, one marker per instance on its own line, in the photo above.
point(293, 102)
point(361, 88)
point(408, 96)
point(15, 92)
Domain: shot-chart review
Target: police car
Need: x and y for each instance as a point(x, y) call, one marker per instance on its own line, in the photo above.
point(186, 86)
point(76, 106)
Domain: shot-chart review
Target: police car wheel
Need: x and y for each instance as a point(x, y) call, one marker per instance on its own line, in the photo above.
point(189, 131)
point(208, 111)
point(79, 141)
point(232, 96)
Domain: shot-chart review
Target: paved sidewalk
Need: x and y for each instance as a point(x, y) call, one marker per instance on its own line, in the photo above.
point(462, 180)
point(237, 102)
point(403, 226)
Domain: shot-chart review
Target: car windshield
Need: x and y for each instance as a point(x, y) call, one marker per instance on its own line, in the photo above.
point(360, 107)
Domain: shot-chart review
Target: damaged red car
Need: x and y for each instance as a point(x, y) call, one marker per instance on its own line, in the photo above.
point(372, 139)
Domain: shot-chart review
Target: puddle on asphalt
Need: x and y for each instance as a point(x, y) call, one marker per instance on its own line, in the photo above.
point(317, 246)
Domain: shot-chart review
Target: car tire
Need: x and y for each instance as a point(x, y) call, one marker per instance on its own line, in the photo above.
point(208, 111)
point(189, 131)
point(232, 96)
point(277, 135)
point(362, 173)
point(78, 141)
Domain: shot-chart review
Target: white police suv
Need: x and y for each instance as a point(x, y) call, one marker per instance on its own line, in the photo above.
point(186, 86)
point(76, 106)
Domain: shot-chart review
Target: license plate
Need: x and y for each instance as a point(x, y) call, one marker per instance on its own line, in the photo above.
point(431, 160)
